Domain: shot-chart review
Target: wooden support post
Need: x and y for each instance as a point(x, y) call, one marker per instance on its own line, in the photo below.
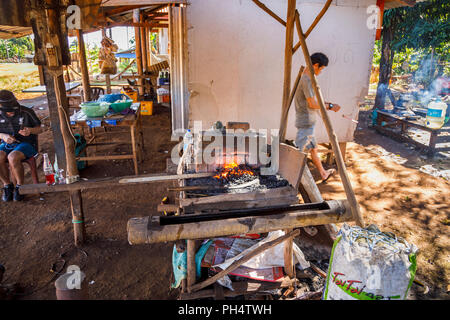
point(237, 263)
point(191, 271)
point(41, 75)
point(288, 59)
point(289, 255)
point(83, 65)
point(108, 83)
point(77, 217)
point(143, 44)
point(138, 51)
point(333, 138)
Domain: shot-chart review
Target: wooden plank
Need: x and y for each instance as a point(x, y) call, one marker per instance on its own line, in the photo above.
point(331, 134)
point(99, 158)
point(292, 163)
point(248, 196)
point(237, 263)
point(105, 183)
point(241, 204)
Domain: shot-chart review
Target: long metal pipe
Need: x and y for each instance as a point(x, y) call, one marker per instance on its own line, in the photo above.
point(149, 230)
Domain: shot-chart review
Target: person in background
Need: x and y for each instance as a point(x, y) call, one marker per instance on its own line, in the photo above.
point(307, 110)
point(19, 127)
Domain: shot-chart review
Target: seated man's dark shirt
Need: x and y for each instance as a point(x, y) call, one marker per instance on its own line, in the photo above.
point(24, 117)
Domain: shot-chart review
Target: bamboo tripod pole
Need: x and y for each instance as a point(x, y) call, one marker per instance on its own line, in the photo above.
point(332, 135)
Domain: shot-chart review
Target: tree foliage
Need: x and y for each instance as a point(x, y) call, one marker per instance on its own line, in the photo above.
point(16, 47)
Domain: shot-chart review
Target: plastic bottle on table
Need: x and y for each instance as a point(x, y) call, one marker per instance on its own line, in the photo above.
point(48, 171)
point(436, 114)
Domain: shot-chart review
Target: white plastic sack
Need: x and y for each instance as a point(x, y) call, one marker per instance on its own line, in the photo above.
point(273, 257)
point(367, 264)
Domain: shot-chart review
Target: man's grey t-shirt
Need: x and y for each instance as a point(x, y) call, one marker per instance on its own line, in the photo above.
point(305, 117)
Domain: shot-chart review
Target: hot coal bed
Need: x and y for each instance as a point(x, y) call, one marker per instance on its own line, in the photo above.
point(234, 178)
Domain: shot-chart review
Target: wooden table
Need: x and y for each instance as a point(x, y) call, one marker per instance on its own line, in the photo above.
point(42, 89)
point(131, 121)
point(388, 124)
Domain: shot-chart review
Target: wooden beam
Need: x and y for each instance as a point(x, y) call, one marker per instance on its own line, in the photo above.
point(313, 25)
point(270, 12)
point(288, 59)
point(83, 66)
point(107, 182)
point(331, 134)
point(143, 44)
point(138, 51)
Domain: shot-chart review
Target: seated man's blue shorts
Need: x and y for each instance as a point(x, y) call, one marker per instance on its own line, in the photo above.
point(27, 149)
point(305, 139)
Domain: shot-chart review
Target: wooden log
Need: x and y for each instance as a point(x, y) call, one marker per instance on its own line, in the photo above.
point(237, 263)
point(331, 134)
point(191, 270)
point(143, 44)
point(270, 12)
point(289, 255)
point(106, 183)
point(313, 25)
point(138, 51)
point(288, 59)
point(168, 207)
point(148, 230)
point(83, 65)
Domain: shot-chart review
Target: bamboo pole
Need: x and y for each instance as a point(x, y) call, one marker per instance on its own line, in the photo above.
point(138, 51)
point(83, 65)
point(332, 135)
point(149, 230)
point(270, 12)
point(288, 58)
point(143, 44)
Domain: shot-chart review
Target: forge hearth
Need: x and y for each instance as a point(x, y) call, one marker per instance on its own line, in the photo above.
point(235, 179)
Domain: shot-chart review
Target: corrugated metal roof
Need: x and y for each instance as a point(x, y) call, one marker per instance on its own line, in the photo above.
point(8, 32)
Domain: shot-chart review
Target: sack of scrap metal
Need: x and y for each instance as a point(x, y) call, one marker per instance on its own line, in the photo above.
point(367, 264)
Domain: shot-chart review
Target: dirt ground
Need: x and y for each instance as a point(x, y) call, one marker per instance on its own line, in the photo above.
point(37, 234)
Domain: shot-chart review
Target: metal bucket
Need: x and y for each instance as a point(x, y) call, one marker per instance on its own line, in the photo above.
point(71, 286)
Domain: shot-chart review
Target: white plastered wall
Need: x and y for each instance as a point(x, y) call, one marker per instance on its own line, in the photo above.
point(236, 61)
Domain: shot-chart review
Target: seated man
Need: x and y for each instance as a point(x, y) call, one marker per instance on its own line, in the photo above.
point(307, 110)
point(19, 127)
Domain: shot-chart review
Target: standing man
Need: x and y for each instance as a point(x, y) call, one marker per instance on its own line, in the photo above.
point(307, 110)
point(19, 127)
